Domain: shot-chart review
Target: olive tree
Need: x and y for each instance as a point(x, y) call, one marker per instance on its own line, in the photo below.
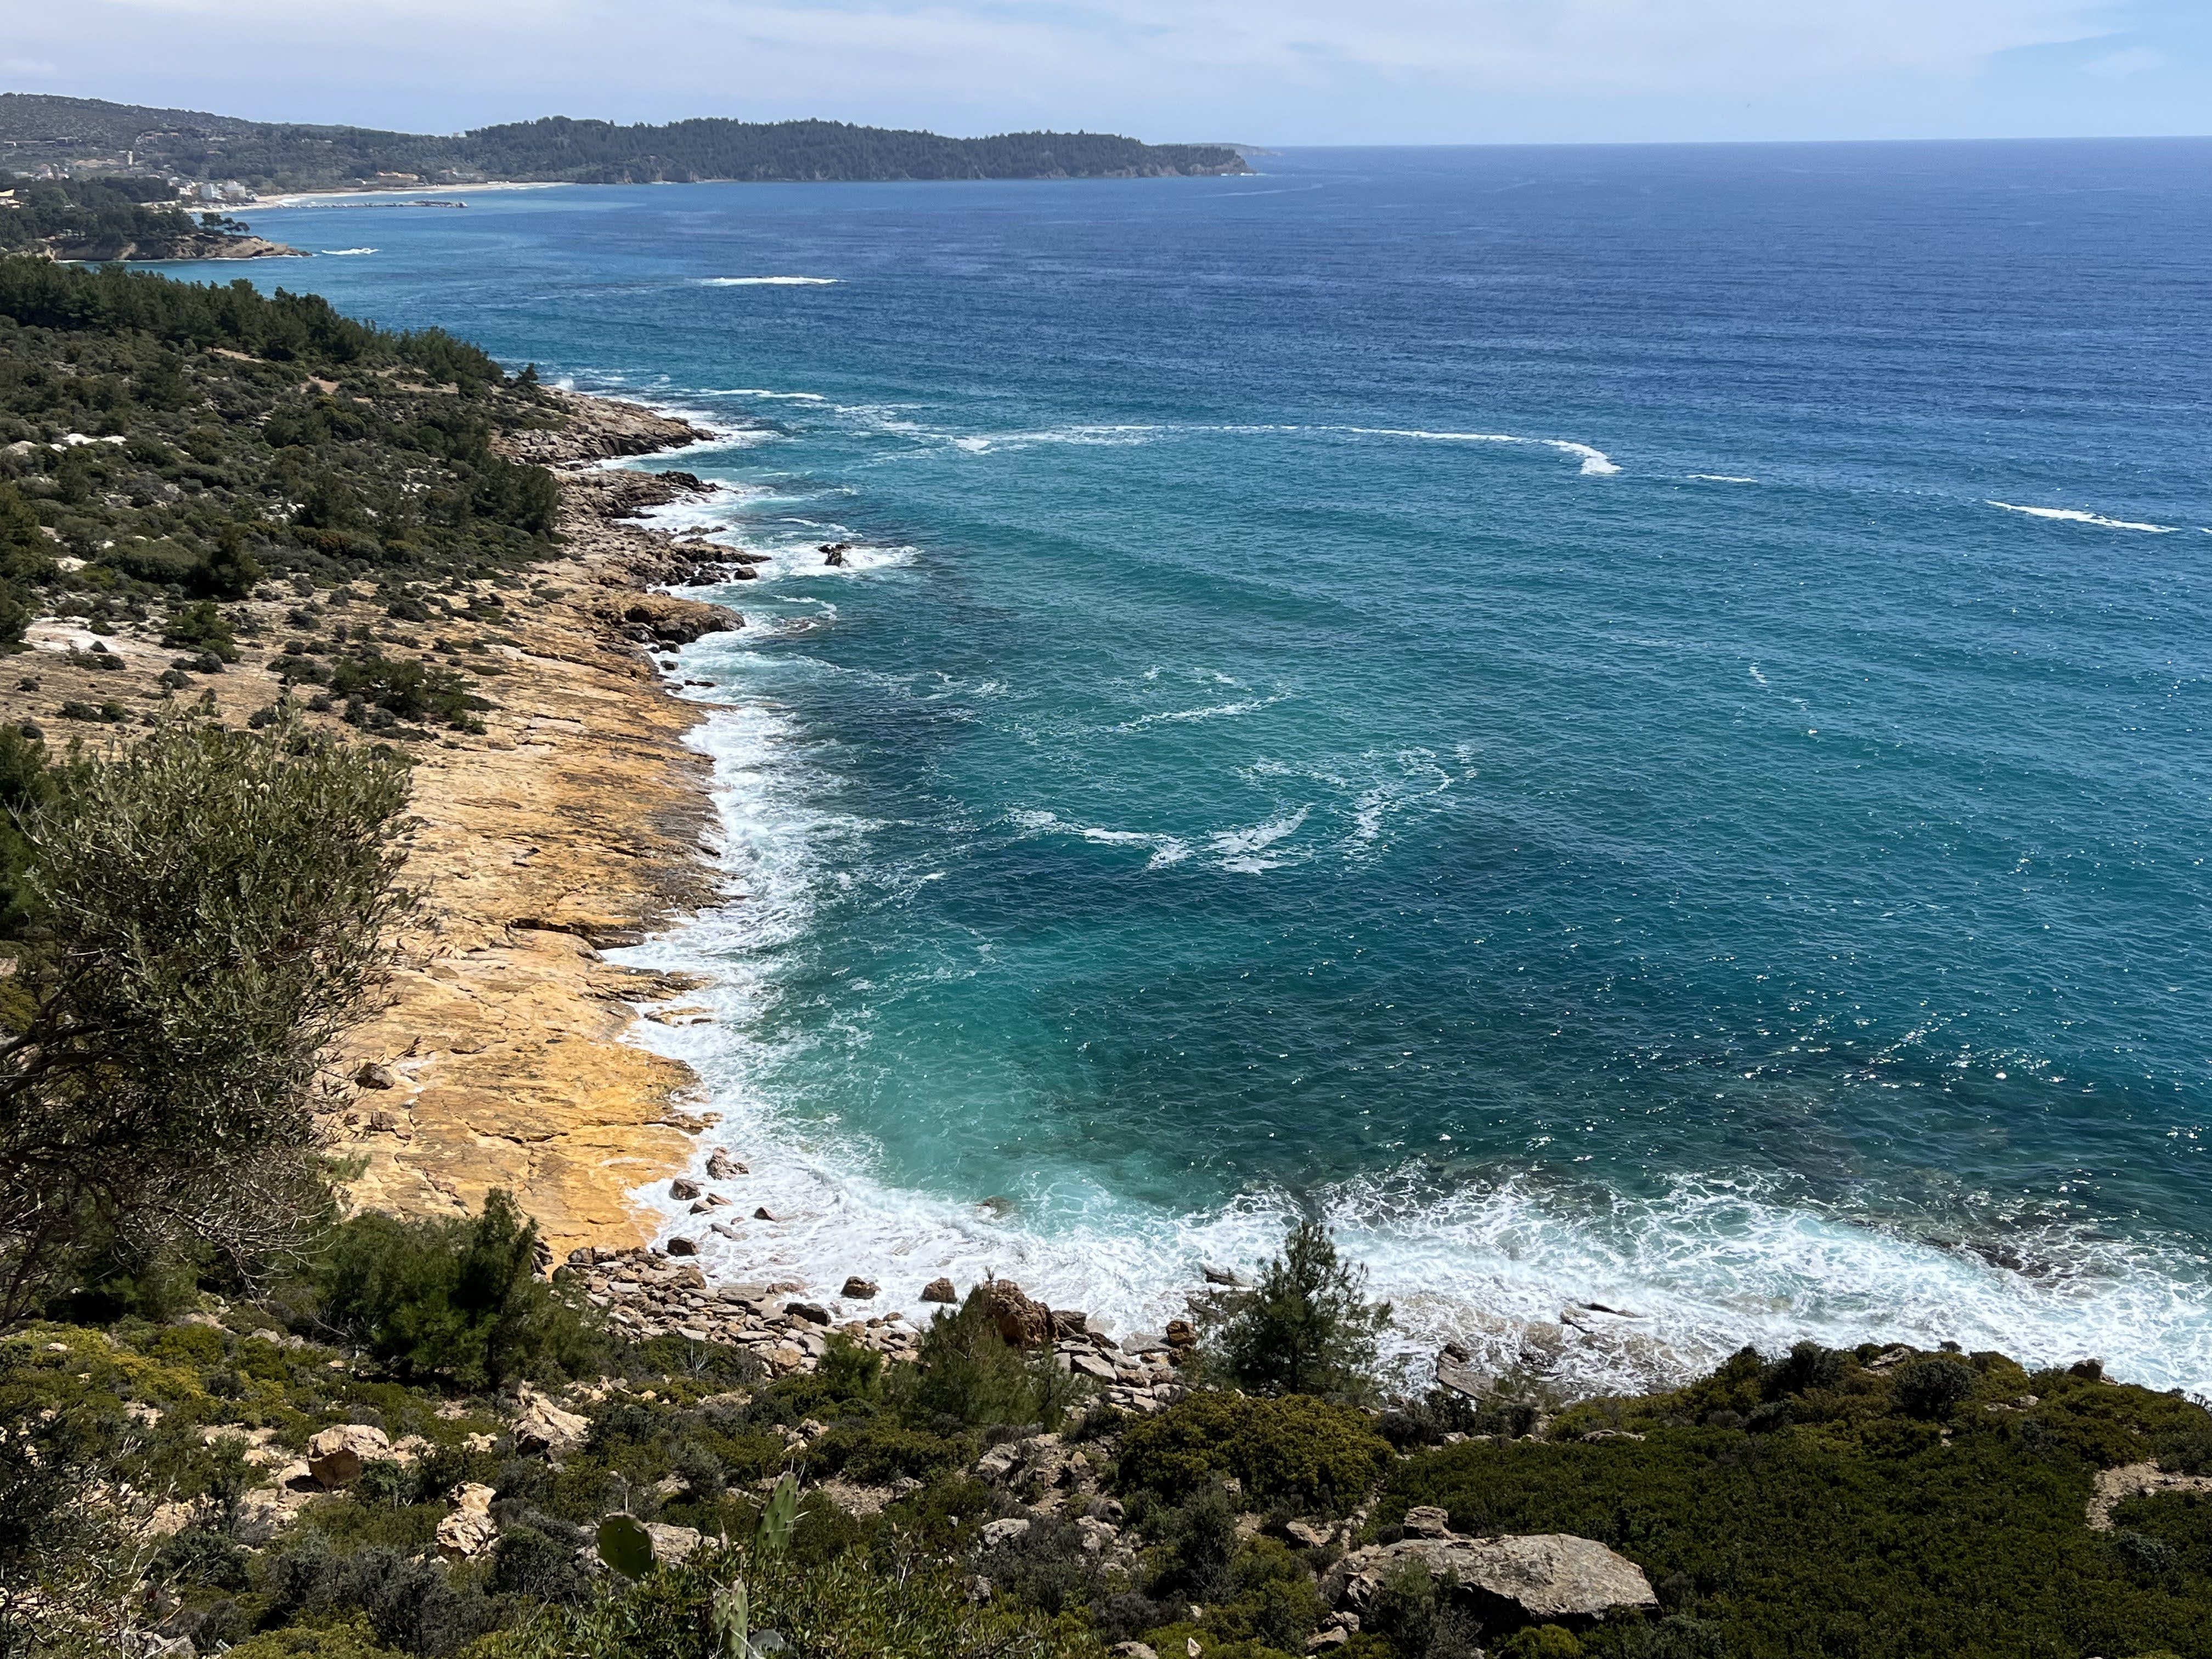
point(208, 909)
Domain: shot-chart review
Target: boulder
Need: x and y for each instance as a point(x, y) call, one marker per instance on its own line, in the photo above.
point(373, 1076)
point(1091, 1365)
point(1427, 1521)
point(1218, 1275)
point(764, 1213)
point(1132, 1650)
point(670, 1544)
point(1021, 1323)
point(469, 1531)
point(939, 1290)
point(813, 1313)
point(1547, 1577)
point(860, 1289)
point(335, 1455)
point(996, 1533)
point(1181, 1333)
point(544, 1427)
point(682, 1187)
point(681, 1247)
point(721, 1166)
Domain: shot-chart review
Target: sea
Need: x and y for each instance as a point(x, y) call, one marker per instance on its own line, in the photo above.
point(1626, 725)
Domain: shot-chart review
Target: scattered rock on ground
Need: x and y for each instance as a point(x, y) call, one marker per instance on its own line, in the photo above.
point(469, 1531)
point(2116, 1487)
point(1544, 1578)
point(335, 1455)
point(672, 1544)
point(544, 1427)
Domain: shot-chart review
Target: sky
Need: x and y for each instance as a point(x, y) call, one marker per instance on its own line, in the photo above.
point(1270, 72)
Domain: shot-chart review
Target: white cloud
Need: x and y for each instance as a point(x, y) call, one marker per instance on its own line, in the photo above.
point(37, 69)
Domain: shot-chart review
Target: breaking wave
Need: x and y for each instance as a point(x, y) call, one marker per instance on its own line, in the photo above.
point(2075, 515)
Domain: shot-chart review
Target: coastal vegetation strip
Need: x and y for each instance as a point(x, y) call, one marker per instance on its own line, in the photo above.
point(249, 507)
point(78, 132)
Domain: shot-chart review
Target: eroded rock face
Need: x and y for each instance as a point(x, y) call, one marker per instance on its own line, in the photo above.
point(1021, 1323)
point(544, 1427)
point(1545, 1577)
point(469, 1531)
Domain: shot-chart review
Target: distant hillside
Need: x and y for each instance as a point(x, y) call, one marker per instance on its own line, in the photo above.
point(82, 133)
point(116, 217)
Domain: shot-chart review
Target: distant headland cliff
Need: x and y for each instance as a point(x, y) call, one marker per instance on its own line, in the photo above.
point(82, 136)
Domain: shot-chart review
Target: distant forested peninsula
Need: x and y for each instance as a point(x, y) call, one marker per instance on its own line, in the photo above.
point(74, 135)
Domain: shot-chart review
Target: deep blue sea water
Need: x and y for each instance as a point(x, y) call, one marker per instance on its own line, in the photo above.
point(1629, 724)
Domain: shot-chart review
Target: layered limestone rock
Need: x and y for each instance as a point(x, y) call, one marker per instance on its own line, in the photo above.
point(577, 821)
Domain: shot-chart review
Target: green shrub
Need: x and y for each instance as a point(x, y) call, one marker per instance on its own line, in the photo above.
point(1931, 1386)
point(1539, 1642)
point(1307, 1327)
point(1295, 1450)
point(214, 909)
point(200, 626)
point(1198, 1538)
point(846, 1605)
point(875, 1454)
point(350, 1639)
point(1404, 1610)
point(1861, 1534)
point(456, 1300)
point(968, 1375)
point(404, 689)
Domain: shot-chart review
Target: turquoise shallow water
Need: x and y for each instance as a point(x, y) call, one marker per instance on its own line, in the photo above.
point(1629, 724)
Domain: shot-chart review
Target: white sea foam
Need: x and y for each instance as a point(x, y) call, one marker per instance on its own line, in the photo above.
point(346, 252)
point(986, 443)
point(1242, 850)
point(1596, 462)
point(1419, 778)
point(1166, 849)
point(1720, 477)
point(1217, 711)
point(763, 392)
point(1504, 1268)
point(2075, 515)
point(769, 281)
